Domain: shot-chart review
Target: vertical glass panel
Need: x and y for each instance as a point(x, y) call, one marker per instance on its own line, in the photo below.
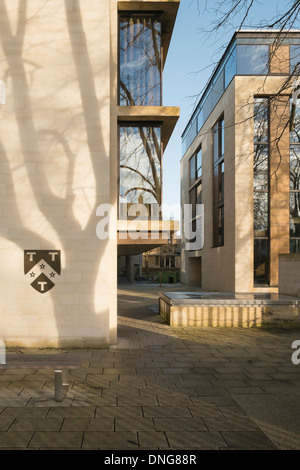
point(230, 68)
point(140, 165)
point(221, 182)
point(260, 214)
point(261, 256)
point(261, 167)
point(261, 120)
point(199, 194)
point(295, 214)
point(252, 59)
point(295, 133)
point(199, 120)
point(199, 163)
point(140, 60)
point(295, 167)
point(295, 245)
point(217, 89)
point(221, 225)
point(216, 141)
point(193, 201)
point(192, 164)
point(222, 137)
point(294, 58)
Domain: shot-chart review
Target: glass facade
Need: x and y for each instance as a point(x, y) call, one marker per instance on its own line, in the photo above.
point(240, 59)
point(140, 60)
point(140, 165)
point(252, 59)
point(261, 191)
point(295, 183)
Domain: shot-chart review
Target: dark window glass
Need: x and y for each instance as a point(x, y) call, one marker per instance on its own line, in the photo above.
point(252, 59)
point(295, 58)
point(295, 133)
point(216, 141)
point(221, 182)
point(295, 182)
point(295, 214)
point(261, 191)
point(221, 226)
point(295, 167)
point(218, 182)
point(295, 245)
point(261, 167)
point(192, 163)
point(261, 257)
point(230, 68)
point(140, 60)
point(140, 165)
point(222, 137)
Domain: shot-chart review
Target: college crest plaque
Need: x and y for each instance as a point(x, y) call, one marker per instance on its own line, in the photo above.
point(41, 267)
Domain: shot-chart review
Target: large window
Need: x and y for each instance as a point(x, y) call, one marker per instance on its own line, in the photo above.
point(195, 192)
point(261, 191)
point(295, 183)
point(252, 59)
point(140, 60)
point(218, 183)
point(140, 165)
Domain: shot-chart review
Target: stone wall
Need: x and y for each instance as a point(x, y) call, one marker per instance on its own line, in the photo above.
point(289, 274)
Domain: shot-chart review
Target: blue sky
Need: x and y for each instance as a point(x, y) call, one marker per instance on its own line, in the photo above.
point(190, 61)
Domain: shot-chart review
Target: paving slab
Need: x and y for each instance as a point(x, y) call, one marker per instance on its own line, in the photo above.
point(162, 388)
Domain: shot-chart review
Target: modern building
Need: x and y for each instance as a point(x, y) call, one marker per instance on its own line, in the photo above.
point(241, 160)
point(83, 125)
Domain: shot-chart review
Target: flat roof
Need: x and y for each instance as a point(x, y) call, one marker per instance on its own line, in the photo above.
point(237, 33)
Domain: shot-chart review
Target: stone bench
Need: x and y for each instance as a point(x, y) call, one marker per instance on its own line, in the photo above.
point(60, 363)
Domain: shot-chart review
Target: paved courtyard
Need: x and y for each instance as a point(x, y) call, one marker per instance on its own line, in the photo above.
point(162, 388)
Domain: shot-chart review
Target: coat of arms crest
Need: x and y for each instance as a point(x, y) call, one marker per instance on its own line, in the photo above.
point(41, 267)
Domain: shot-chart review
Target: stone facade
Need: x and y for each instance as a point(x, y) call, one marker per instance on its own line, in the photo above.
point(59, 162)
point(230, 266)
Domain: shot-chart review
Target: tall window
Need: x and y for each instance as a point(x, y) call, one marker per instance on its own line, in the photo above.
point(261, 191)
point(195, 193)
point(295, 183)
point(218, 183)
point(140, 165)
point(140, 60)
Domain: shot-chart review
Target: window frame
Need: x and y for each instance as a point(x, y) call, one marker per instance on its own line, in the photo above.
point(139, 14)
point(218, 140)
point(266, 237)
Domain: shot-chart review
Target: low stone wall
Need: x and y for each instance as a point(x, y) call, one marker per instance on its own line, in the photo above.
point(228, 315)
point(289, 274)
